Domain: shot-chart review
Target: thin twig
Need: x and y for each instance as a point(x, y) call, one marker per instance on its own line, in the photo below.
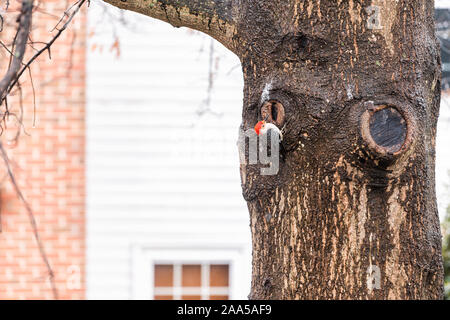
point(31, 218)
point(15, 70)
point(34, 97)
point(78, 4)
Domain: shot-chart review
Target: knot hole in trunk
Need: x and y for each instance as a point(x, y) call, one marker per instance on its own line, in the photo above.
point(387, 130)
point(273, 111)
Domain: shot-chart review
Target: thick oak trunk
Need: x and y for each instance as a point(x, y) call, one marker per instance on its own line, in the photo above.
point(351, 213)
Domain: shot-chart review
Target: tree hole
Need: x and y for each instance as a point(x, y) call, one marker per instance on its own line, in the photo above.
point(388, 128)
point(273, 111)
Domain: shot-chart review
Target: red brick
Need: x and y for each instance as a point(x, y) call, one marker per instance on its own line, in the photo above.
point(49, 167)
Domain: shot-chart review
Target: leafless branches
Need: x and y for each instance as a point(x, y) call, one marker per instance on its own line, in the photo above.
point(205, 107)
point(31, 218)
point(20, 44)
point(10, 81)
point(62, 25)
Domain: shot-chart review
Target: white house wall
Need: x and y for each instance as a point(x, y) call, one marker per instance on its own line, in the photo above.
point(443, 157)
point(158, 173)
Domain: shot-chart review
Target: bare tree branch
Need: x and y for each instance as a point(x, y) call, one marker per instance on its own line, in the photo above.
point(76, 7)
point(20, 45)
point(213, 17)
point(10, 81)
point(32, 220)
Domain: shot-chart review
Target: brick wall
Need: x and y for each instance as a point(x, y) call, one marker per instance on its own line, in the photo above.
point(48, 161)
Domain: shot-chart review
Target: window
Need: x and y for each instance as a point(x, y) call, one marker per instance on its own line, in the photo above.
point(191, 281)
point(190, 273)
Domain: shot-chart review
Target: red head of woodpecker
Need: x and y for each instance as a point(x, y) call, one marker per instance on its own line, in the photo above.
point(262, 127)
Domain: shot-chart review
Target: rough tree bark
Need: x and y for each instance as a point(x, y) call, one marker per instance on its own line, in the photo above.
point(352, 212)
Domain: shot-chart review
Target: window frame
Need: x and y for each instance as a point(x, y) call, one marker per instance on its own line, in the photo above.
point(144, 257)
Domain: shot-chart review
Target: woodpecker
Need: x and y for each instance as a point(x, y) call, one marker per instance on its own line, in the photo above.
point(262, 127)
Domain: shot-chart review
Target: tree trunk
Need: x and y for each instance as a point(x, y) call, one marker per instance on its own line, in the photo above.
point(351, 213)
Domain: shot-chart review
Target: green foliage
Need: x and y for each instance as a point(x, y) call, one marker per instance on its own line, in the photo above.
point(446, 251)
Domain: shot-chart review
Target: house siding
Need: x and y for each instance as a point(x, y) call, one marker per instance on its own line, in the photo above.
point(443, 156)
point(158, 172)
